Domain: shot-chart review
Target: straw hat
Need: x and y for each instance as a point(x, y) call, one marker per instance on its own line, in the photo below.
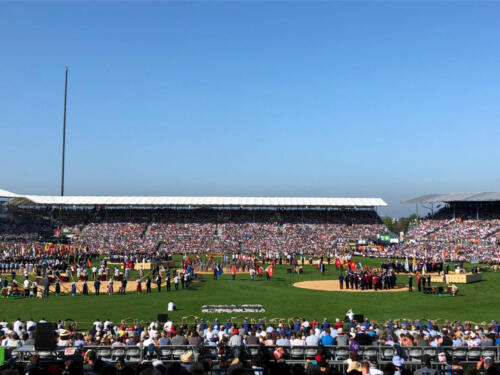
point(63, 332)
point(355, 365)
point(186, 357)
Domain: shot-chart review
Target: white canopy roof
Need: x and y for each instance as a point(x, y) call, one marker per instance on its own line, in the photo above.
point(7, 194)
point(457, 197)
point(36, 200)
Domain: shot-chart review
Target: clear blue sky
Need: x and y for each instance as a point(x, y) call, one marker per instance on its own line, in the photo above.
point(371, 99)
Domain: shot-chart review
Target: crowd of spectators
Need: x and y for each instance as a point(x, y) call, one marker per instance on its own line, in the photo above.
point(464, 238)
point(297, 332)
point(230, 341)
point(204, 231)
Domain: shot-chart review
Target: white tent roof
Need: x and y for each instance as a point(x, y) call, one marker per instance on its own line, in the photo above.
point(457, 197)
point(36, 200)
point(7, 194)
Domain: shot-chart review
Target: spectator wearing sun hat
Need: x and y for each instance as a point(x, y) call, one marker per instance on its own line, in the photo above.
point(186, 360)
point(354, 368)
point(64, 339)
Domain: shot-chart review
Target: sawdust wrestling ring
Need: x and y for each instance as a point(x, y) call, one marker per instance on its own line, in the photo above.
point(334, 286)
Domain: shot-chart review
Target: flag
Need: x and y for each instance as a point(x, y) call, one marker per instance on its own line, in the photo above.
point(407, 266)
point(88, 262)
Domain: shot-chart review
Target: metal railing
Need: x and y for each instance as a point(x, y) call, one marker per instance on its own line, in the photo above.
point(335, 354)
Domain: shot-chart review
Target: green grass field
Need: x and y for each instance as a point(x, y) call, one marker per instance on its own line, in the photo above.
point(476, 302)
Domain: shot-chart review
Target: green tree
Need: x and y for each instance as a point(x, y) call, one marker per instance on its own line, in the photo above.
point(389, 223)
point(400, 225)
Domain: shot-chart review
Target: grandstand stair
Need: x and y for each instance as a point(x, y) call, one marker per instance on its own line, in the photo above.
point(147, 230)
point(492, 232)
point(439, 228)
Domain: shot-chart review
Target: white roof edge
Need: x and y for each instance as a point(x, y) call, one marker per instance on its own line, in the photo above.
point(27, 200)
point(7, 194)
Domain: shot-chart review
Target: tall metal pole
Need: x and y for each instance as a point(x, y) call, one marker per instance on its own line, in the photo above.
point(64, 131)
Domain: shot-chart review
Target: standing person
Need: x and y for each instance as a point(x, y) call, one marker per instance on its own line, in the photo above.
point(419, 283)
point(97, 286)
point(85, 288)
point(168, 282)
point(148, 285)
point(139, 286)
point(233, 271)
point(215, 272)
point(410, 283)
point(158, 282)
point(47, 288)
point(34, 286)
point(181, 277)
point(110, 286)
point(26, 285)
point(176, 282)
point(73, 288)
point(124, 286)
point(341, 281)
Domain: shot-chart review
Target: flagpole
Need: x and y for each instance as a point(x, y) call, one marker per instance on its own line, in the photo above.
point(64, 131)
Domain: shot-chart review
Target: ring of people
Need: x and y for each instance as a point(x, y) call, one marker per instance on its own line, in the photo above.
point(334, 286)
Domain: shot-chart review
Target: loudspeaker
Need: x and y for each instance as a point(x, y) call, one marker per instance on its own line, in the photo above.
point(360, 318)
point(162, 318)
point(45, 336)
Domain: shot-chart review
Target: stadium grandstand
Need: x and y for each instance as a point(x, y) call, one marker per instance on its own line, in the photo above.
point(463, 226)
point(192, 224)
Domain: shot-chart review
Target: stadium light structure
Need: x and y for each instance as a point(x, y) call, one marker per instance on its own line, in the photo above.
point(64, 131)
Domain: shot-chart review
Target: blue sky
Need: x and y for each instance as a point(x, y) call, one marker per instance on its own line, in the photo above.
point(387, 99)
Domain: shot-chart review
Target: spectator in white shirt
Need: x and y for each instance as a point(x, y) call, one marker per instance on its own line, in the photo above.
point(312, 340)
point(297, 341)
